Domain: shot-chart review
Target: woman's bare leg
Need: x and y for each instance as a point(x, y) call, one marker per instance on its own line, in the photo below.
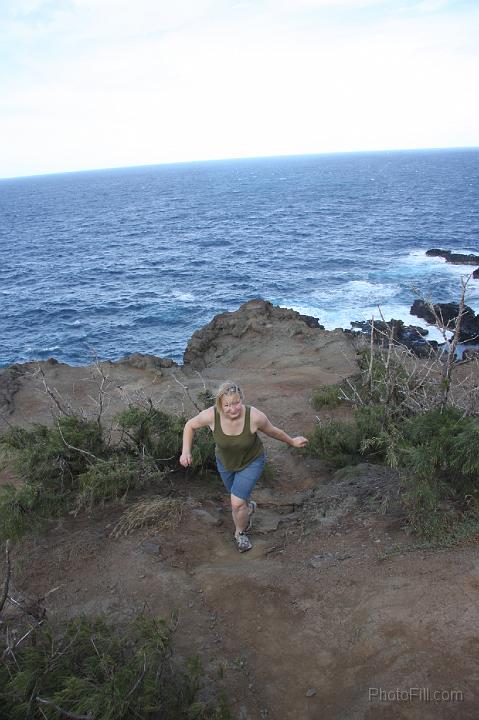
point(240, 512)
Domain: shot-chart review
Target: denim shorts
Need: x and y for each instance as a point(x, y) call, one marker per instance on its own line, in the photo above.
point(241, 482)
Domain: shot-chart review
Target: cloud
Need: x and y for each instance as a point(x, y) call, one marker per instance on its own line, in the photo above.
point(94, 83)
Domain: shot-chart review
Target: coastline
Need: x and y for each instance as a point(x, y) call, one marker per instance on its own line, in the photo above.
point(338, 306)
point(431, 335)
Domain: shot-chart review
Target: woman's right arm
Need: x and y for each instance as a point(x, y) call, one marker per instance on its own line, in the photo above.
point(206, 418)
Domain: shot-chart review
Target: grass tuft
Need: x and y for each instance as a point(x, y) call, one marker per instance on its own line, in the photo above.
point(158, 513)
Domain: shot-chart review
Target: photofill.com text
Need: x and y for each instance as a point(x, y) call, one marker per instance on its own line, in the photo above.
point(415, 694)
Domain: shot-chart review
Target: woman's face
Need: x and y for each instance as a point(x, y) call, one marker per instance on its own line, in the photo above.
point(232, 406)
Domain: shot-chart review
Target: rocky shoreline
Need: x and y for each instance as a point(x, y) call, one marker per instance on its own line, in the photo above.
point(441, 315)
point(456, 258)
point(222, 339)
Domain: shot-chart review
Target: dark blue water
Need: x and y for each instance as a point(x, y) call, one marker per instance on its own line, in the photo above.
point(118, 261)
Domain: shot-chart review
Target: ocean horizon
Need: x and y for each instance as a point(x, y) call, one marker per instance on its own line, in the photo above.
point(136, 259)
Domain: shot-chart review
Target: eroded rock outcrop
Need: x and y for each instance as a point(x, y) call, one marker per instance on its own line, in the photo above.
point(262, 335)
point(146, 362)
point(9, 383)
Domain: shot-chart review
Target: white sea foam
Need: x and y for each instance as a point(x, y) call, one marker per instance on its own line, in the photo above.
point(419, 257)
point(183, 296)
point(355, 292)
point(342, 318)
point(29, 350)
point(447, 272)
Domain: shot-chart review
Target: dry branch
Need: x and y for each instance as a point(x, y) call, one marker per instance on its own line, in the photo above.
point(72, 447)
point(187, 392)
point(54, 395)
point(63, 712)
point(10, 648)
point(8, 570)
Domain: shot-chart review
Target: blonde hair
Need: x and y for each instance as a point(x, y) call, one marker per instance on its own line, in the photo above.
point(227, 388)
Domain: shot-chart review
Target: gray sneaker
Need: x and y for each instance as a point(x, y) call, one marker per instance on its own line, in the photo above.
point(252, 510)
point(243, 542)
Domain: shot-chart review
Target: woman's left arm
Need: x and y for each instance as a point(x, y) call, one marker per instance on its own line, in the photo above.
point(262, 423)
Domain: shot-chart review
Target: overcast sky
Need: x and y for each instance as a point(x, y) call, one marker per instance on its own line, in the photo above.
point(111, 83)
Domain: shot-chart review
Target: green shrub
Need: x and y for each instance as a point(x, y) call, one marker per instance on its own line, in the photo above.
point(93, 669)
point(444, 445)
point(203, 452)
point(70, 467)
point(347, 443)
point(20, 510)
point(326, 396)
point(440, 453)
point(113, 479)
point(206, 398)
point(55, 456)
point(152, 432)
point(50, 461)
point(385, 379)
point(335, 442)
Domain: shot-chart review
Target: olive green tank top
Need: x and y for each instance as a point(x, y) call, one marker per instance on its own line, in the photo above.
point(237, 451)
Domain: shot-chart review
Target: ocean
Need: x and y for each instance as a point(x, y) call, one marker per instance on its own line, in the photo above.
point(111, 262)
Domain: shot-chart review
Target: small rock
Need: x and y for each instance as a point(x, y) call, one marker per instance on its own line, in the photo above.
point(150, 547)
point(328, 559)
point(310, 692)
point(266, 521)
point(319, 560)
point(328, 521)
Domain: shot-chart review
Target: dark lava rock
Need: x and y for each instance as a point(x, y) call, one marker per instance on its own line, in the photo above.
point(447, 313)
point(436, 252)
point(454, 258)
point(411, 336)
point(311, 321)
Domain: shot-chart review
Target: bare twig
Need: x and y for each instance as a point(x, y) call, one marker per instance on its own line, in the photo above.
point(371, 358)
point(54, 395)
point(139, 679)
point(102, 386)
point(6, 581)
point(10, 648)
point(453, 344)
point(355, 392)
point(63, 712)
point(201, 378)
point(72, 447)
point(187, 392)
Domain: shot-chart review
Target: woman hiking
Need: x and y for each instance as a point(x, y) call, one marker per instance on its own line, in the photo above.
point(240, 456)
